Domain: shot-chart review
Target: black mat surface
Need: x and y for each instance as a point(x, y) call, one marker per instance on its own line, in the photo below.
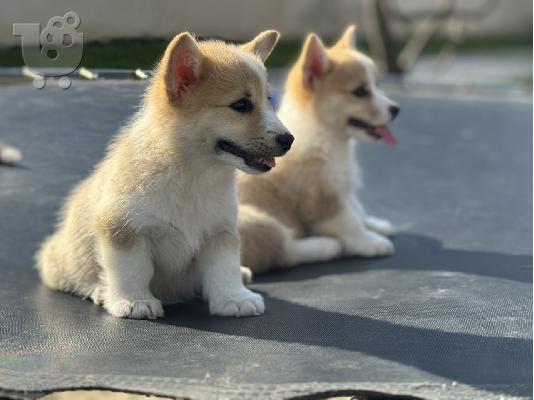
point(449, 316)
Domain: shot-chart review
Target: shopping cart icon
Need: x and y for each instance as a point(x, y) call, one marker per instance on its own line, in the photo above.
point(56, 51)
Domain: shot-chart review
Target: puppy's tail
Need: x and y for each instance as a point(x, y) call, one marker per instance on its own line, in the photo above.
point(9, 155)
point(263, 240)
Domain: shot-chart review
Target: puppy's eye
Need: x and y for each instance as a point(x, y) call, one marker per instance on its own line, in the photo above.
point(243, 105)
point(360, 92)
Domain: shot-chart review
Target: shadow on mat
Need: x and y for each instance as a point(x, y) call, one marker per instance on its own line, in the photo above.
point(418, 253)
point(462, 357)
point(466, 358)
point(67, 321)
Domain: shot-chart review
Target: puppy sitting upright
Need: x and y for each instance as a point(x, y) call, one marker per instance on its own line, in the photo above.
point(307, 210)
point(156, 220)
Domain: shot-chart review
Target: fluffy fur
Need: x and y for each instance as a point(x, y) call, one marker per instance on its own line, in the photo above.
point(156, 220)
point(307, 210)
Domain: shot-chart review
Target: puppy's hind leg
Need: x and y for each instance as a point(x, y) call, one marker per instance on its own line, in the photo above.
point(50, 263)
point(267, 244)
point(67, 265)
point(311, 249)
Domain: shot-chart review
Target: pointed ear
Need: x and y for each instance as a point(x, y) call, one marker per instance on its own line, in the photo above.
point(182, 62)
point(315, 60)
point(348, 39)
point(263, 44)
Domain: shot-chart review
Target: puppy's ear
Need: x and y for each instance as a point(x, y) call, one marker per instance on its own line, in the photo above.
point(315, 61)
point(182, 62)
point(263, 44)
point(348, 39)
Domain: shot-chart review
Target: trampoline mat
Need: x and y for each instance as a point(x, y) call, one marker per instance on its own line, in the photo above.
point(449, 316)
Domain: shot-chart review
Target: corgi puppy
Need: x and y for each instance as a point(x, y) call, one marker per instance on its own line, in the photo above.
point(307, 210)
point(156, 220)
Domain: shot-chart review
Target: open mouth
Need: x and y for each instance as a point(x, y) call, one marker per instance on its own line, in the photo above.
point(259, 163)
point(377, 132)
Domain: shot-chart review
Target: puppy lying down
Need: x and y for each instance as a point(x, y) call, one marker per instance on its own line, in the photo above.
point(307, 209)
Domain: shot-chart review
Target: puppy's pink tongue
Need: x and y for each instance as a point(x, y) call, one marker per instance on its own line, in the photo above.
point(384, 132)
point(270, 161)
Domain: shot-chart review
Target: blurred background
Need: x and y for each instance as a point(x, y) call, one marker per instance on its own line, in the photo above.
point(454, 44)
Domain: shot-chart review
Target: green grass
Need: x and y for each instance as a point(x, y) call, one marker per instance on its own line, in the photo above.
point(144, 53)
point(135, 53)
point(523, 80)
point(11, 57)
point(485, 45)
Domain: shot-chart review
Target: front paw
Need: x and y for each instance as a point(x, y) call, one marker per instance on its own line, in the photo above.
point(379, 225)
point(369, 244)
point(136, 309)
point(244, 303)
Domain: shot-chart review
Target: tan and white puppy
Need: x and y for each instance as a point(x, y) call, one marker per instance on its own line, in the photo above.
point(307, 210)
point(156, 220)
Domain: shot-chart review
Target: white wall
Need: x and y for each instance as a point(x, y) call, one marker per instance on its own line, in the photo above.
point(232, 19)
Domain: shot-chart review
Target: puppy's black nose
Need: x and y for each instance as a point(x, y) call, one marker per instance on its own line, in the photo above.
point(285, 140)
point(394, 110)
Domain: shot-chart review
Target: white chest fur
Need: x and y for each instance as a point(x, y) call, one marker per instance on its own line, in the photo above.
point(178, 214)
point(342, 169)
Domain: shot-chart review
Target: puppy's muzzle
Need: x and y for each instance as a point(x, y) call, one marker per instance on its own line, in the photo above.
point(394, 111)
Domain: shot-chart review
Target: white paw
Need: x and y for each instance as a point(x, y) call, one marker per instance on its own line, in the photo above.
point(244, 303)
point(369, 244)
point(246, 275)
point(379, 225)
point(136, 309)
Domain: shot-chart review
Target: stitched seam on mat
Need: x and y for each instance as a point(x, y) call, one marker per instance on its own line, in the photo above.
point(186, 387)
